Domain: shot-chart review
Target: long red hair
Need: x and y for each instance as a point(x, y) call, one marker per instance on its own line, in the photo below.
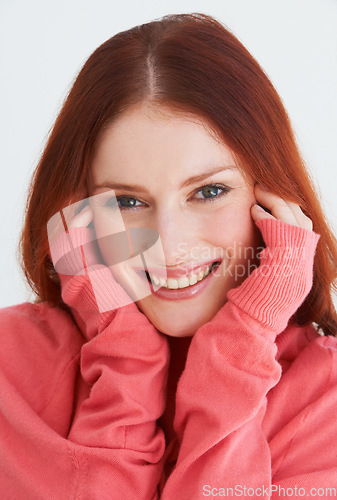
point(188, 63)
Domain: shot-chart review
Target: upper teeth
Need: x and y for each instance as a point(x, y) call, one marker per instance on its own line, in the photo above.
point(181, 282)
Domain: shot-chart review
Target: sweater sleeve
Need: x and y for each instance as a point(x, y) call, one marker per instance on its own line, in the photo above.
point(115, 436)
point(114, 447)
point(231, 366)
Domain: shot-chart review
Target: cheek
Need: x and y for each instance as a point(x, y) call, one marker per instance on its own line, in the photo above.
point(109, 234)
point(231, 224)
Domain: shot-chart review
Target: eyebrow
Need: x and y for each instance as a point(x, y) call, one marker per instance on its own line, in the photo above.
point(192, 180)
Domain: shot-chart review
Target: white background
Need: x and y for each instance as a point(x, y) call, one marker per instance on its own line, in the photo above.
point(43, 45)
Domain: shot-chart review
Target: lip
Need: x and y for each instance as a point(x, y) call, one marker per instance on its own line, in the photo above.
point(182, 293)
point(176, 273)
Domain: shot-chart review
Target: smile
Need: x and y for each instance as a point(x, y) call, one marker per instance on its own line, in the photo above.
point(184, 281)
point(183, 288)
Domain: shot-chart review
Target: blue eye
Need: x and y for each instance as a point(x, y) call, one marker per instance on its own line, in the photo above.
point(128, 203)
point(113, 203)
point(210, 189)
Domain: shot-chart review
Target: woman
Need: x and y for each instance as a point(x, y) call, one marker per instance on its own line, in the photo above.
point(132, 388)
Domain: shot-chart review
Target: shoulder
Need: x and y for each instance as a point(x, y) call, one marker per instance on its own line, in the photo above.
point(306, 357)
point(309, 377)
point(28, 327)
point(306, 348)
point(300, 423)
point(38, 343)
point(321, 357)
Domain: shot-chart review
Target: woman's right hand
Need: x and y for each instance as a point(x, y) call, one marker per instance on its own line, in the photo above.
point(73, 245)
point(76, 257)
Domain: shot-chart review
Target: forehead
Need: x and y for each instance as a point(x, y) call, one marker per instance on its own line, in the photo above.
point(160, 114)
point(146, 136)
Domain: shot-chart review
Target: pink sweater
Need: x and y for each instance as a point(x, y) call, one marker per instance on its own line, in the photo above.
point(88, 403)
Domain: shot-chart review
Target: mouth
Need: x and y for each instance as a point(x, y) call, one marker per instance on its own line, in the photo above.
point(173, 284)
point(170, 289)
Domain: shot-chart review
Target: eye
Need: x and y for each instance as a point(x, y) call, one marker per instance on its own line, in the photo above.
point(122, 203)
point(128, 203)
point(210, 190)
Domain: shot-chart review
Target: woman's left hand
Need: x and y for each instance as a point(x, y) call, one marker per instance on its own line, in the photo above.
point(287, 211)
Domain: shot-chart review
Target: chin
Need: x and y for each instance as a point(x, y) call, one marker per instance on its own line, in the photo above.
point(182, 326)
point(187, 332)
point(165, 326)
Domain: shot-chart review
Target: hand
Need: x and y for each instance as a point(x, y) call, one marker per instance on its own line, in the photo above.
point(274, 291)
point(74, 216)
point(74, 252)
point(81, 219)
point(287, 211)
point(68, 233)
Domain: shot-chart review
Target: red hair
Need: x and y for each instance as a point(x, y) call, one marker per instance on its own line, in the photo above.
point(188, 63)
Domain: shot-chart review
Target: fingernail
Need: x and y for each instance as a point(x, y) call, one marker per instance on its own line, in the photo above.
point(258, 207)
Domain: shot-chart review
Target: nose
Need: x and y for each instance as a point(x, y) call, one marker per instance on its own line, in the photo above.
point(177, 235)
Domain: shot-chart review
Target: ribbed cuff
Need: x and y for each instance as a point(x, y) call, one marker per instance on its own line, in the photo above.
point(277, 233)
point(93, 294)
point(276, 289)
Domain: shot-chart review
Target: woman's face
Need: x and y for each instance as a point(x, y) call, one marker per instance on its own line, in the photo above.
point(197, 223)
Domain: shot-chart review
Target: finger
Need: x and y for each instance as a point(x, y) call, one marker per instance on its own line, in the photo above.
point(278, 206)
point(294, 216)
point(259, 213)
point(300, 216)
point(82, 219)
point(78, 214)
